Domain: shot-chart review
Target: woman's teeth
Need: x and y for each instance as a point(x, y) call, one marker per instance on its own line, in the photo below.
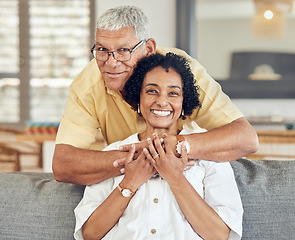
point(161, 113)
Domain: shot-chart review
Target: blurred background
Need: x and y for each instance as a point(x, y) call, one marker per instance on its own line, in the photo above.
point(246, 45)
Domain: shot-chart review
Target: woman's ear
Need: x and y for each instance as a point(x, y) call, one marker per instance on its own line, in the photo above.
point(150, 46)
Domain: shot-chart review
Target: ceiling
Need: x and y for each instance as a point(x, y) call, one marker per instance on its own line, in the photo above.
point(227, 9)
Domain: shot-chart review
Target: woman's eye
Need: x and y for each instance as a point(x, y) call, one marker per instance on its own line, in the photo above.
point(151, 91)
point(174, 94)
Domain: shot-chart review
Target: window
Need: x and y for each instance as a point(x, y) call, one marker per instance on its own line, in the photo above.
point(52, 38)
point(9, 67)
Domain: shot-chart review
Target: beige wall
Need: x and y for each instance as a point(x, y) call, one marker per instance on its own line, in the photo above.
point(161, 15)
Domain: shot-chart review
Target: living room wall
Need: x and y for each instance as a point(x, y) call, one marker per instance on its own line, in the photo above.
point(161, 16)
point(220, 33)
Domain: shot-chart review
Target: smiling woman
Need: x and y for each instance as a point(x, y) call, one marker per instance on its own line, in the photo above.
point(171, 64)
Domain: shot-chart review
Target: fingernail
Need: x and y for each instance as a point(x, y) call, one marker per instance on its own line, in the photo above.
point(115, 164)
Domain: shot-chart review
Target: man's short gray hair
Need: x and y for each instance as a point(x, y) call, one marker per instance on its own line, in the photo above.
point(125, 16)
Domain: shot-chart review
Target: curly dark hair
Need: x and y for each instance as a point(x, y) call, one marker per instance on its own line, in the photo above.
point(133, 86)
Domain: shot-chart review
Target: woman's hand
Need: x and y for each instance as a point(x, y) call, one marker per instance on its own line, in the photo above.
point(168, 165)
point(137, 171)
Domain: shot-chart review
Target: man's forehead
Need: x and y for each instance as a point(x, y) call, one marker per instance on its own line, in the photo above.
point(126, 33)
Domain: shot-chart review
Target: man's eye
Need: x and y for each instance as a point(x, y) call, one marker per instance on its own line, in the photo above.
point(101, 49)
point(123, 50)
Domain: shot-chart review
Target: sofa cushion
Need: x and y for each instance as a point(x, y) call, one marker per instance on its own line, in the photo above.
point(35, 206)
point(267, 190)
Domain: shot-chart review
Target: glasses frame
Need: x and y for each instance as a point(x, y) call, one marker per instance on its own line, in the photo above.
point(112, 52)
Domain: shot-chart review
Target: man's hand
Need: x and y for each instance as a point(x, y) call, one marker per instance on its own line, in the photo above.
point(171, 140)
point(120, 163)
point(138, 148)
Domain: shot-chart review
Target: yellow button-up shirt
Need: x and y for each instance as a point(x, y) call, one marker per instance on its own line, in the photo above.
point(93, 112)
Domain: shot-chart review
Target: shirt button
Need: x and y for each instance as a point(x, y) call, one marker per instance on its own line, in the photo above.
point(156, 200)
point(153, 231)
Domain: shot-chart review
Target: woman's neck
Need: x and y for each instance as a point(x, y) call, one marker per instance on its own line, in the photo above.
point(159, 131)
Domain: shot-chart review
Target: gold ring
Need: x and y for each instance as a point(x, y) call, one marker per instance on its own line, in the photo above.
point(156, 156)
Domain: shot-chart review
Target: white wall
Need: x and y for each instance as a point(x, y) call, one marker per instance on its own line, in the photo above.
point(161, 15)
point(275, 109)
point(222, 32)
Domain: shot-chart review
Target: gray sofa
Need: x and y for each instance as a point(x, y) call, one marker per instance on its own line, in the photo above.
point(35, 206)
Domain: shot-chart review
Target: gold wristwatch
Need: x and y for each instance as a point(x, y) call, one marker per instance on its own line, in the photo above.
point(125, 191)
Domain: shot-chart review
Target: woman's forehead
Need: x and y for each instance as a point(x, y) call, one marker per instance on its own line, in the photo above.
point(159, 76)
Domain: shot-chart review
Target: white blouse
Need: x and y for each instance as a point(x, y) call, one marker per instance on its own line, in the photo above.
point(153, 212)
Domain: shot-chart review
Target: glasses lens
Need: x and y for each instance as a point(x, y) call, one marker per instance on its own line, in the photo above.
point(122, 55)
point(100, 55)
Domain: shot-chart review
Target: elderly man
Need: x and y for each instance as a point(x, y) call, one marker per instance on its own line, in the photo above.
point(96, 105)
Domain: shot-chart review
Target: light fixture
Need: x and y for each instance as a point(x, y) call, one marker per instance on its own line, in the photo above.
point(269, 20)
point(282, 5)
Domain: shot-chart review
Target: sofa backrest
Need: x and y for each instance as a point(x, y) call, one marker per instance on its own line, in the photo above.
point(267, 189)
point(35, 206)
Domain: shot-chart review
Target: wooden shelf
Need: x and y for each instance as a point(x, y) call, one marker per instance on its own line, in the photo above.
point(36, 138)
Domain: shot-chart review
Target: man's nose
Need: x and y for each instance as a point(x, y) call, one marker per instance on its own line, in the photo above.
point(112, 60)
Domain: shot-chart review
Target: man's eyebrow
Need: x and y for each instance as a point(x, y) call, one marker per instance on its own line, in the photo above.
point(126, 45)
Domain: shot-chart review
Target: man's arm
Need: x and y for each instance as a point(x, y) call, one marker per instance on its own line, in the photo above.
point(227, 143)
point(84, 167)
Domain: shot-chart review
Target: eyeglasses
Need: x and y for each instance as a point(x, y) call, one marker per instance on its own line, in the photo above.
point(122, 55)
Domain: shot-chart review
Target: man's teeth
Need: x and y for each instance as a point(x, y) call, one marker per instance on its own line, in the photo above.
point(161, 113)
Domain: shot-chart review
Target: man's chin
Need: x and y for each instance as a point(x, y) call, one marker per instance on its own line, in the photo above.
point(115, 87)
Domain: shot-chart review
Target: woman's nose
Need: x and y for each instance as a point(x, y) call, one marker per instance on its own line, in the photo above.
point(162, 101)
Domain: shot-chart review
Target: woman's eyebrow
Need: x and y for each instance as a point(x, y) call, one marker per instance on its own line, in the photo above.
point(151, 84)
point(174, 86)
point(156, 85)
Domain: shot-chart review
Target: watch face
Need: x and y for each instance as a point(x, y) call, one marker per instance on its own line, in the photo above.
point(126, 192)
point(178, 147)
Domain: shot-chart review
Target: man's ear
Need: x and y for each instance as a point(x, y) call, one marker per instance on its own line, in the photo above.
point(150, 46)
